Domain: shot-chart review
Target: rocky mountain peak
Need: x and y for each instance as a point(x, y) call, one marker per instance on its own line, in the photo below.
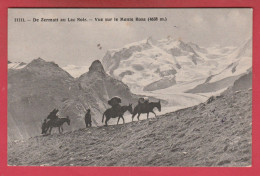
point(40, 63)
point(38, 60)
point(96, 66)
point(46, 69)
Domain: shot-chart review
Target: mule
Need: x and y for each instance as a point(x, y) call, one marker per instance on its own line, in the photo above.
point(111, 113)
point(146, 108)
point(56, 123)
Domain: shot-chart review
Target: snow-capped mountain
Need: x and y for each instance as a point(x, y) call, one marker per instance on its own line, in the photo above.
point(151, 64)
point(183, 74)
point(234, 65)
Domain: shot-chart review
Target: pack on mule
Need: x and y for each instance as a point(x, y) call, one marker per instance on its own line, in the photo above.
point(145, 108)
point(111, 113)
point(115, 103)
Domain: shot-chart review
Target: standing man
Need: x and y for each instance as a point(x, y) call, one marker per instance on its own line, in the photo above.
point(88, 119)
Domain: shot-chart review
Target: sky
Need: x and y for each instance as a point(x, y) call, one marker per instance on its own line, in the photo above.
point(75, 43)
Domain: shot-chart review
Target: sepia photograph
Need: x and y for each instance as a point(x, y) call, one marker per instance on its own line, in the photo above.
point(130, 87)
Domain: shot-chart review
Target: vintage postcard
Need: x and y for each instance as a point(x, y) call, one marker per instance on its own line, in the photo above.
point(130, 87)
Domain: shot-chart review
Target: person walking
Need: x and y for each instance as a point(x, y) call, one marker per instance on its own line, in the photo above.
point(88, 121)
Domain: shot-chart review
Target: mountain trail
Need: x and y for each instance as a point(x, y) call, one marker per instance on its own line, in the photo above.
point(215, 133)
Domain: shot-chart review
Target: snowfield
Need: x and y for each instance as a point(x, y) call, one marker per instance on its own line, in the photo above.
point(142, 63)
point(169, 69)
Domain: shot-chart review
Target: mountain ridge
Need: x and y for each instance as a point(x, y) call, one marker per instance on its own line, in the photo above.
point(39, 87)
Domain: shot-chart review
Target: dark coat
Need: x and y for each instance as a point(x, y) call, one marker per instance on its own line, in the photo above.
point(88, 117)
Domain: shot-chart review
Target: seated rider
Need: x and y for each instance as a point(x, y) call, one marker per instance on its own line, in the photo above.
point(53, 115)
point(146, 100)
point(143, 100)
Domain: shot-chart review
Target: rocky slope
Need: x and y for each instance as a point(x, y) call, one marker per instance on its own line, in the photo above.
point(215, 133)
point(40, 86)
point(244, 82)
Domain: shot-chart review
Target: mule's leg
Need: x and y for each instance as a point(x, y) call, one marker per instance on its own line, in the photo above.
point(154, 113)
point(123, 119)
point(107, 119)
point(118, 120)
point(50, 130)
point(45, 130)
point(61, 128)
point(147, 115)
point(138, 116)
point(133, 116)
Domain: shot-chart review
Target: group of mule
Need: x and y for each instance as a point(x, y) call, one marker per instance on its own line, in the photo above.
point(141, 108)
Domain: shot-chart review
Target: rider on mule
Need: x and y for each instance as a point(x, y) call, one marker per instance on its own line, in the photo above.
point(51, 117)
point(142, 102)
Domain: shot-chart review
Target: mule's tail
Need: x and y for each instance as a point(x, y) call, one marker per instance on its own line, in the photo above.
point(103, 117)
